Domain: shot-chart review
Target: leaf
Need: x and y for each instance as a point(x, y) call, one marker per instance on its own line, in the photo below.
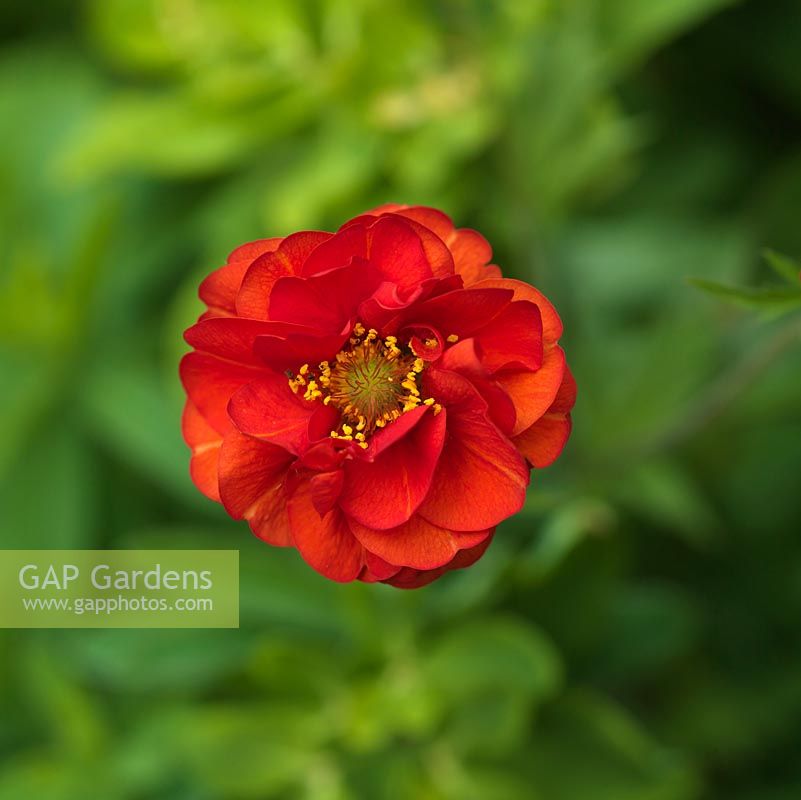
point(587, 748)
point(144, 662)
point(771, 300)
point(669, 497)
point(783, 266)
point(495, 653)
point(560, 533)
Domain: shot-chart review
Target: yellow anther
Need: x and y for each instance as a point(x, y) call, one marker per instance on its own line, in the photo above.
point(437, 408)
point(358, 329)
point(453, 338)
point(361, 424)
point(419, 364)
point(347, 429)
point(304, 369)
point(372, 334)
point(326, 399)
point(390, 340)
point(363, 445)
point(432, 342)
point(359, 437)
point(380, 422)
point(428, 402)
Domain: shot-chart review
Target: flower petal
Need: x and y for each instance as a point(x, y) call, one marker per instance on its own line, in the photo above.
point(254, 293)
point(543, 442)
point(413, 579)
point(326, 488)
point(416, 543)
point(533, 392)
point(337, 251)
point(481, 478)
point(460, 313)
point(205, 443)
point(250, 251)
point(326, 301)
point(385, 492)
point(551, 324)
point(290, 352)
point(219, 289)
point(232, 338)
point(268, 409)
point(210, 382)
point(325, 543)
point(252, 485)
point(398, 253)
point(513, 339)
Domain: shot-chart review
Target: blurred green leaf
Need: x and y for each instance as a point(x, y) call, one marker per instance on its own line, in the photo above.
point(783, 266)
point(770, 300)
point(589, 749)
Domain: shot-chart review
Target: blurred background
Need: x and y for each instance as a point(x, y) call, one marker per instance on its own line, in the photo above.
point(635, 633)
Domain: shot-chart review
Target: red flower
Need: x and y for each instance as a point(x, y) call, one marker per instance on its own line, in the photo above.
point(375, 397)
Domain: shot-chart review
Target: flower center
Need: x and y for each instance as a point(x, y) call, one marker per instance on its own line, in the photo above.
point(372, 381)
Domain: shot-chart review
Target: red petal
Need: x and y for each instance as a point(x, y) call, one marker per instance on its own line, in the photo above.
point(542, 443)
point(252, 250)
point(416, 543)
point(254, 293)
point(480, 479)
point(469, 249)
point(436, 251)
point(337, 251)
point(210, 382)
point(386, 492)
point(292, 352)
point(205, 443)
point(376, 569)
point(533, 392)
point(397, 251)
point(386, 437)
point(471, 252)
point(435, 220)
point(252, 476)
point(551, 324)
point(513, 338)
point(326, 487)
point(461, 312)
point(414, 579)
point(231, 338)
point(218, 289)
point(566, 396)
point(269, 409)
point(326, 302)
point(463, 358)
point(325, 543)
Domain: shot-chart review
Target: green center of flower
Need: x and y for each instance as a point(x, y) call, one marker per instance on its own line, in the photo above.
point(371, 381)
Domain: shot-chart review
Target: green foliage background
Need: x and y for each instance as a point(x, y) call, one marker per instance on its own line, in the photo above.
point(634, 634)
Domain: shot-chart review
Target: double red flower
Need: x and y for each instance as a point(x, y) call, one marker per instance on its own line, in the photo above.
point(374, 397)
